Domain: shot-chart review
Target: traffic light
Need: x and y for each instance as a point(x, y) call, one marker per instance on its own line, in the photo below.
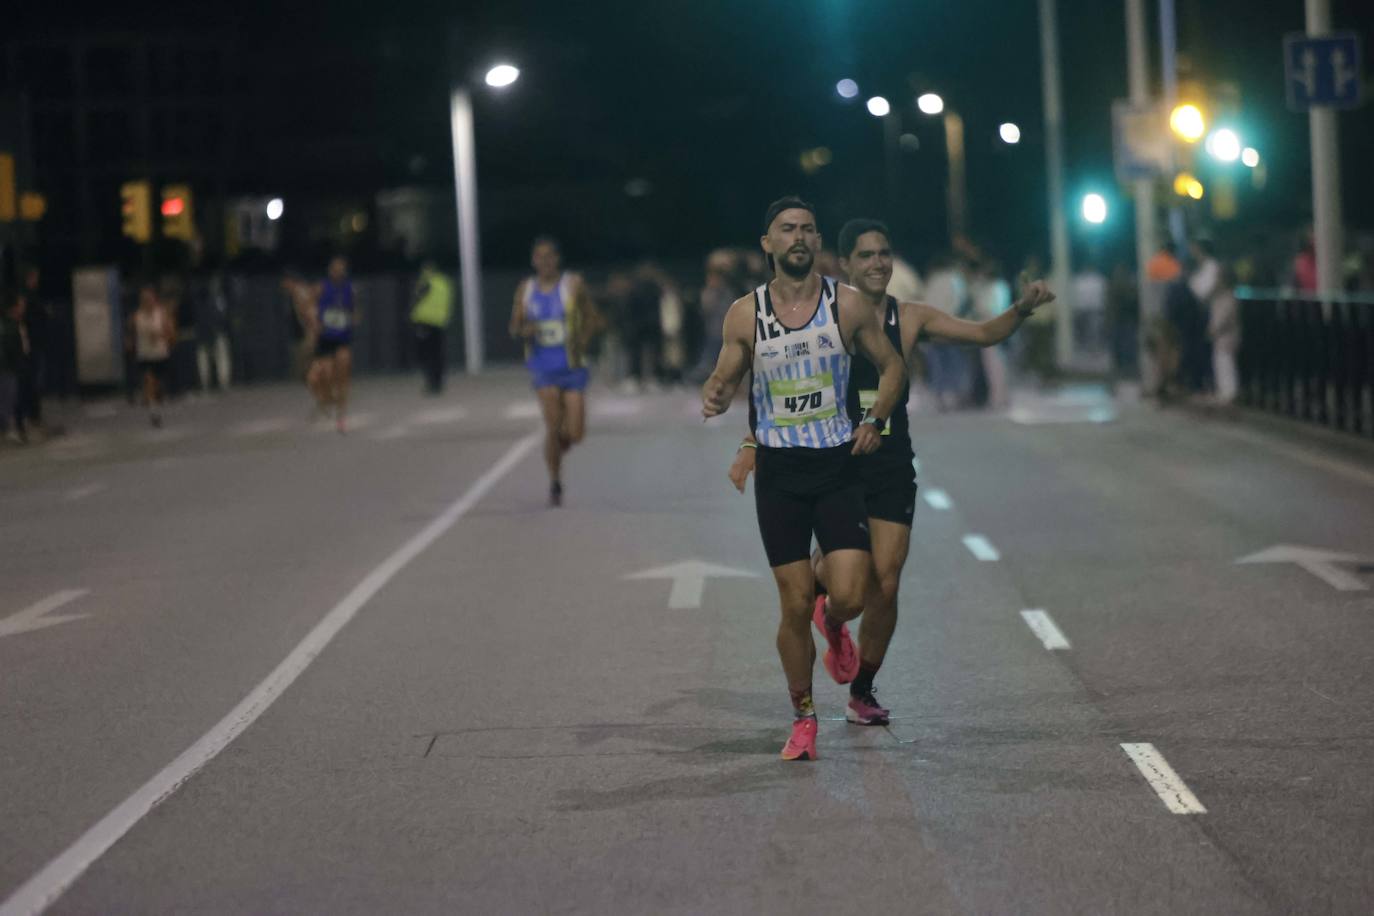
point(177, 221)
point(9, 195)
point(137, 197)
point(1187, 122)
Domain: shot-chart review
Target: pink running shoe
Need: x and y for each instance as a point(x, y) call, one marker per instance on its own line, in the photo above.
point(864, 710)
point(841, 659)
point(802, 744)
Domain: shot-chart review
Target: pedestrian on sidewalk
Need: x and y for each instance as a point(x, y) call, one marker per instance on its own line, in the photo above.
point(430, 316)
point(1223, 329)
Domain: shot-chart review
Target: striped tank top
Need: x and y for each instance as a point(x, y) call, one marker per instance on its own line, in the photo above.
point(801, 376)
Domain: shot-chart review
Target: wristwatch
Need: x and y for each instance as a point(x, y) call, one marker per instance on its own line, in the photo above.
point(877, 423)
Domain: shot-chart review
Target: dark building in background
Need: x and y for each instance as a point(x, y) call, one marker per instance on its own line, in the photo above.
point(104, 108)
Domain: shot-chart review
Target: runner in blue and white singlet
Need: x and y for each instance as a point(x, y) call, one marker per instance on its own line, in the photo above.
point(800, 377)
point(797, 334)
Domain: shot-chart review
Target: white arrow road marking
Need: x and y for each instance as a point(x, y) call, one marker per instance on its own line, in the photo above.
point(1175, 794)
point(689, 579)
point(981, 548)
point(32, 617)
point(938, 499)
point(77, 493)
point(1043, 626)
point(1320, 563)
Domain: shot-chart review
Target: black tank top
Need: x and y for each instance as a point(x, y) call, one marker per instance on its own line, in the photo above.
point(863, 389)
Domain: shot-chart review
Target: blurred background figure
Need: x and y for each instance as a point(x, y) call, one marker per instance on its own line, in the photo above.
point(301, 320)
point(905, 285)
point(336, 317)
point(1038, 332)
point(1204, 281)
point(1305, 263)
point(1161, 272)
point(210, 305)
point(1123, 320)
point(721, 288)
point(12, 346)
point(949, 366)
point(672, 314)
point(1089, 309)
point(642, 328)
point(1223, 329)
point(430, 316)
point(152, 333)
point(991, 296)
point(36, 326)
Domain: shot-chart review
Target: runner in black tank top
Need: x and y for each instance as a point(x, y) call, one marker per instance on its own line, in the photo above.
point(888, 475)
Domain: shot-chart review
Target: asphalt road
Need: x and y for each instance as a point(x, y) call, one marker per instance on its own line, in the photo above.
point(250, 666)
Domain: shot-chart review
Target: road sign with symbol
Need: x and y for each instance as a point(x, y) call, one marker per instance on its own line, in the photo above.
point(1322, 71)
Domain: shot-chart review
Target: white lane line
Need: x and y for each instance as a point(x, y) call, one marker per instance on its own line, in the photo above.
point(43, 889)
point(33, 617)
point(261, 427)
point(981, 548)
point(1043, 626)
point(391, 433)
point(89, 489)
point(522, 410)
point(938, 499)
point(1177, 797)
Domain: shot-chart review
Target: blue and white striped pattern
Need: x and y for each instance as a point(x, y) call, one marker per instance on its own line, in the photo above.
point(795, 355)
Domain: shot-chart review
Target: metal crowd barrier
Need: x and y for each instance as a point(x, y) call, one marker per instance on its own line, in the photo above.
point(1311, 359)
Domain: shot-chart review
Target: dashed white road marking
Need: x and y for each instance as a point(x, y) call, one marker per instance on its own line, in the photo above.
point(1043, 626)
point(261, 427)
point(34, 616)
point(981, 548)
point(77, 493)
point(522, 410)
point(40, 891)
point(937, 499)
point(1175, 794)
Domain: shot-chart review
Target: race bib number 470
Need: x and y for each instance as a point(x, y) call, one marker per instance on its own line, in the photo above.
point(798, 401)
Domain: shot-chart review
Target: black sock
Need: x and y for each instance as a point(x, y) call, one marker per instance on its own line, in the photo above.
point(863, 681)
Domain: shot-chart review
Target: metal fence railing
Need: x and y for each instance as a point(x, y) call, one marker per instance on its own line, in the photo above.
point(1311, 359)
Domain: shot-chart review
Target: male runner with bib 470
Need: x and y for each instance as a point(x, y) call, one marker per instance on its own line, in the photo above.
point(886, 475)
point(797, 333)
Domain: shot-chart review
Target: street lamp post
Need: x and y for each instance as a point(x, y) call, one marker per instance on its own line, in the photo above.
point(465, 189)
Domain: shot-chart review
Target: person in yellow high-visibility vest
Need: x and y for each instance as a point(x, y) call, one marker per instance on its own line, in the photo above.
point(433, 308)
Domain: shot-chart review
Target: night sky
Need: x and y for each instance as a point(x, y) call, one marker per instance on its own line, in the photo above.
point(712, 102)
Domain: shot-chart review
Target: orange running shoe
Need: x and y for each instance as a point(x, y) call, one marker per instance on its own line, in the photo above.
point(802, 744)
point(841, 659)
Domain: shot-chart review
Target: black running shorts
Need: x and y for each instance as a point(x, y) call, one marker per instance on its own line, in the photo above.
point(801, 491)
point(889, 487)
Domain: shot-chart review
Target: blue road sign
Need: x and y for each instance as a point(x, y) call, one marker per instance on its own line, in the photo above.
point(1322, 71)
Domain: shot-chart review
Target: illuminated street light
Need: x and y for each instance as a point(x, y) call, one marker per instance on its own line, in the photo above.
point(275, 208)
point(1250, 157)
point(847, 88)
point(930, 104)
point(878, 107)
point(1223, 145)
point(1186, 120)
point(1010, 133)
point(502, 75)
point(1095, 209)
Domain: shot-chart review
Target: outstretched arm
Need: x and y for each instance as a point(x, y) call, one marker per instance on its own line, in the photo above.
point(936, 324)
point(736, 351)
